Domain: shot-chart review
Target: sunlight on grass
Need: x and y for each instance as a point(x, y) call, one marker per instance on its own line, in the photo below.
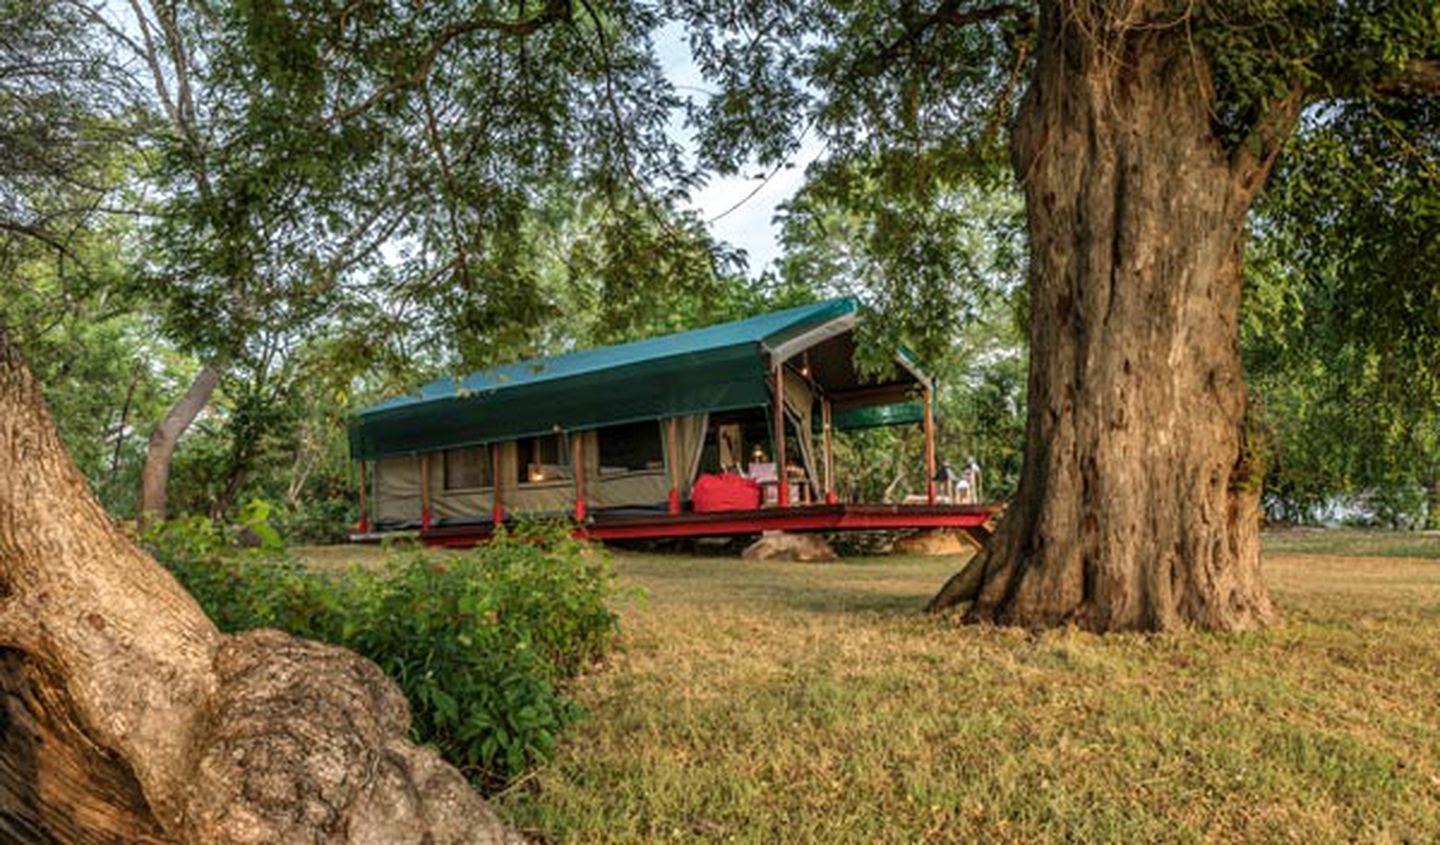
point(775, 702)
point(1353, 542)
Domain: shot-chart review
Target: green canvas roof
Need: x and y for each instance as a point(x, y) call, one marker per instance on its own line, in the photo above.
point(877, 416)
point(717, 368)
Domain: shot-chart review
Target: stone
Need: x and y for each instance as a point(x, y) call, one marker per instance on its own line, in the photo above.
point(779, 545)
point(934, 543)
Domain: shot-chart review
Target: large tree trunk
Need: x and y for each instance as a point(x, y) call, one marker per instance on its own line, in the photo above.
point(1137, 505)
point(155, 474)
point(127, 717)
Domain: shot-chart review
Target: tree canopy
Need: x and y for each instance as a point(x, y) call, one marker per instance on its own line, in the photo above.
point(365, 195)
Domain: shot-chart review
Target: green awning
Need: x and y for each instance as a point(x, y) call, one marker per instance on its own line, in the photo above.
point(876, 416)
point(718, 368)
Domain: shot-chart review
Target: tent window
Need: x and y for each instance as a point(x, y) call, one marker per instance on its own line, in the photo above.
point(631, 448)
point(467, 468)
point(544, 459)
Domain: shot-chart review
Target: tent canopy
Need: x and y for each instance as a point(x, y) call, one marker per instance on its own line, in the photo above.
point(717, 368)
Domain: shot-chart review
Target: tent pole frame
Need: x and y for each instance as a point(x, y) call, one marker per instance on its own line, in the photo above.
point(825, 416)
point(497, 512)
point(577, 457)
point(782, 490)
point(672, 441)
point(929, 443)
point(364, 526)
point(424, 490)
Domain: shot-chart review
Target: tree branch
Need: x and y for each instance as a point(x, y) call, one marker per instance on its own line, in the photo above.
point(554, 12)
point(950, 14)
point(1419, 78)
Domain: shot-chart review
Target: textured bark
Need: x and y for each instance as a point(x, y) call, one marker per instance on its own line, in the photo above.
point(127, 717)
point(1137, 507)
point(155, 474)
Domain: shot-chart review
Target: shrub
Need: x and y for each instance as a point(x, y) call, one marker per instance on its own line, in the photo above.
point(318, 520)
point(481, 642)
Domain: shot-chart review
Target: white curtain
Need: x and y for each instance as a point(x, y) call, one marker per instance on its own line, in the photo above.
point(689, 444)
point(800, 405)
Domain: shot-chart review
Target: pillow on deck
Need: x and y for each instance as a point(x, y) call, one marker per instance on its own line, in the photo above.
point(724, 492)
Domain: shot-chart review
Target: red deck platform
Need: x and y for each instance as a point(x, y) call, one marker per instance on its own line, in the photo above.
point(973, 519)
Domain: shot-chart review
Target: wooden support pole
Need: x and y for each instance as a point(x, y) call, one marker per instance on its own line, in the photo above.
point(364, 526)
point(782, 493)
point(497, 514)
point(424, 492)
point(929, 444)
point(826, 414)
point(672, 426)
point(577, 457)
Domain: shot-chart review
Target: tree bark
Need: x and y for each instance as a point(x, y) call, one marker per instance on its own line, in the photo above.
point(1138, 503)
point(155, 474)
point(127, 717)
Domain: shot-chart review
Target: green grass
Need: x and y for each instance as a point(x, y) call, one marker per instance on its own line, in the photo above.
point(773, 702)
point(1352, 542)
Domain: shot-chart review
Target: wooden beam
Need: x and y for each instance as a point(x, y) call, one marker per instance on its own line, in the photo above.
point(825, 414)
point(577, 457)
point(364, 526)
point(424, 492)
point(782, 491)
point(929, 444)
point(497, 513)
point(672, 438)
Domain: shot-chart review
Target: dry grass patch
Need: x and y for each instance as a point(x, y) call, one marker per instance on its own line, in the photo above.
point(781, 702)
point(775, 702)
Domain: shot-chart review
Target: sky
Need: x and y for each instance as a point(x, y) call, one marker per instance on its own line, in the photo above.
point(740, 222)
point(749, 226)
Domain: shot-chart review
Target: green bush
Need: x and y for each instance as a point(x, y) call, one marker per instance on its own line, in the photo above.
point(480, 642)
point(318, 520)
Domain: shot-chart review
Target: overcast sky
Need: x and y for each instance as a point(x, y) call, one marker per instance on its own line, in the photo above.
point(749, 226)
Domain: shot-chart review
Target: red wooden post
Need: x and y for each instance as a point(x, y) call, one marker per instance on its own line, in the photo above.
point(782, 494)
point(578, 458)
point(672, 425)
point(497, 514)
point(929, 444)
point(424, 492)
point(364, 526)
point(825, 418)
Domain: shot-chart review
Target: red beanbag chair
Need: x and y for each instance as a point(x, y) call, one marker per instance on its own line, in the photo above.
point(725, 492)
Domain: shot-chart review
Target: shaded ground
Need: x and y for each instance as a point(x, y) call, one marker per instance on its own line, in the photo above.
point(773, 702)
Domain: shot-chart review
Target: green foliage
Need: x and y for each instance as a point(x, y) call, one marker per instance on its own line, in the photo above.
point(193, 539)
point(344, 201)
point(954, 295)
point(1341, 327)
point(481, 643)
point(323, 517)
point(254, 518)
point(1263, 51)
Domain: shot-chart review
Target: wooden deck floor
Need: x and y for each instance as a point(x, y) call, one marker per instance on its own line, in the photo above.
point(973, 519)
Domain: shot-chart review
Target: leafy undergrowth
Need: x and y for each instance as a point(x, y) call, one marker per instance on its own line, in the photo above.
point(482, 643)
point(772, 702)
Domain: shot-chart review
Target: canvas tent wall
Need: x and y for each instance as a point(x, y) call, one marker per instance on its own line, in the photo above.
point(654, 397)
point(397, 481)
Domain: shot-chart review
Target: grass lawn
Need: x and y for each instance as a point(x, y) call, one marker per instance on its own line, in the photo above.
point(1354, 542)
point(768, 702)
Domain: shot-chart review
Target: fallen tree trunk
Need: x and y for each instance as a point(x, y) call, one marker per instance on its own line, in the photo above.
point(128, 717)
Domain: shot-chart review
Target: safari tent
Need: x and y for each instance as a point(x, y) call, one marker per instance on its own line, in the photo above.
point(619, 437)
